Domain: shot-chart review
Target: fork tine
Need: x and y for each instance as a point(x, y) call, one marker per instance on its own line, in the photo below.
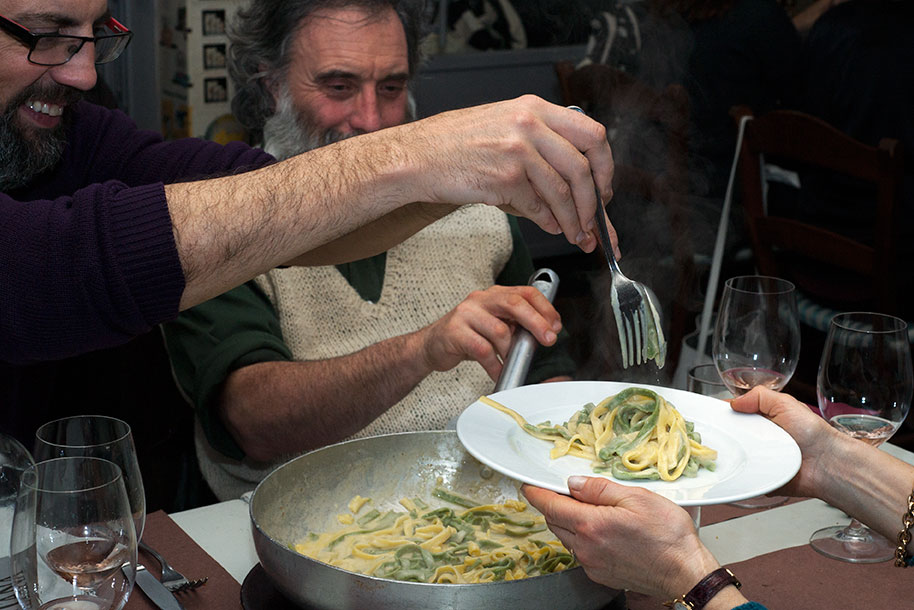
point(629, 341)
point(189, 585)
point(639, 336)
point(620, 325)
point(632, 317)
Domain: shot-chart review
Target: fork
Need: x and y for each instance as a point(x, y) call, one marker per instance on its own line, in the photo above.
point(637, 320)
point(173, 580)
point(627, 301)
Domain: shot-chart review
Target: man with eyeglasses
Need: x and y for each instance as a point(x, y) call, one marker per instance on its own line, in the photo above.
point(108, 231)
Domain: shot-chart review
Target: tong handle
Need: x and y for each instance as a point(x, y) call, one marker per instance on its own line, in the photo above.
point(523, 345)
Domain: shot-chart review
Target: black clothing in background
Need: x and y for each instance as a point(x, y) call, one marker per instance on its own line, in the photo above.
point(132, 382)
point(859, 74)
point(750, 55)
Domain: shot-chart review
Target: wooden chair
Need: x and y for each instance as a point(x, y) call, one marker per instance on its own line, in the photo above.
point(657, 174)
point(832, 271)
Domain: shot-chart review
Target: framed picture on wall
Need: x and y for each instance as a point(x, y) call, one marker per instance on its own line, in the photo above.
point(215, 90)
point(213, 22)
point(213, 56)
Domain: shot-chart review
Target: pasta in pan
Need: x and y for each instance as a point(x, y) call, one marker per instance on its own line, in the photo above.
point(635, 434)
point(481, 543)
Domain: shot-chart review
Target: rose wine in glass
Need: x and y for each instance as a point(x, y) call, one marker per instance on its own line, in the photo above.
point(864, 389)
point(73, 542)
point(757, 342)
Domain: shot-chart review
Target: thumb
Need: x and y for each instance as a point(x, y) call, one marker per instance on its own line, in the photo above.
point(596, 490)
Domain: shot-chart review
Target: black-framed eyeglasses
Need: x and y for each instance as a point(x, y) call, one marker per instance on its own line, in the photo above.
point(110, 39)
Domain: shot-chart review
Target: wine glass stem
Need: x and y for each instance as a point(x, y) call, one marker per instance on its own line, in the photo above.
point(856, 530)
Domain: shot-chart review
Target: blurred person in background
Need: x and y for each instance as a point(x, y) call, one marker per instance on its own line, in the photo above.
point(857, 66)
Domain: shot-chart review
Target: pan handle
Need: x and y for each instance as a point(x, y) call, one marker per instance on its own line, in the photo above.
point(523, 345)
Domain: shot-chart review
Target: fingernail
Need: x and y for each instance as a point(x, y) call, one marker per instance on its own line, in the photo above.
point(557, 325)
point(582, 236)
point(550, 336)
point(576, 483)
point(591, 224)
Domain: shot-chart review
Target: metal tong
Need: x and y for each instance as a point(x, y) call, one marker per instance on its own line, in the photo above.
point(520, 354)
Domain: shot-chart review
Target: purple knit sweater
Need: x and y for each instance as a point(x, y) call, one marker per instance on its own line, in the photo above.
point(87, 254)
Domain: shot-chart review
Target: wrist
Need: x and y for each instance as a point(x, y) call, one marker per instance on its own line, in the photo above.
point(829, 480)
point(415, 353)
point(694, 567)
point(718, 590)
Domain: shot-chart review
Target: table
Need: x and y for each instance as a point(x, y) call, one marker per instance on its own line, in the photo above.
point(767, 548)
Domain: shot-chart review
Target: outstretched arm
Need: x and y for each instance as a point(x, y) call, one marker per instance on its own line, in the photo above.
point(278, 408)
point(526, 156)
point(836, 467)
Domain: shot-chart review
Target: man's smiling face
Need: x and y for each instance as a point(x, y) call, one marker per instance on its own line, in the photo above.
point(33, 98)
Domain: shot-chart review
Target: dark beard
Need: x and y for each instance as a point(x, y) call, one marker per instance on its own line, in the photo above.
point(24, 152)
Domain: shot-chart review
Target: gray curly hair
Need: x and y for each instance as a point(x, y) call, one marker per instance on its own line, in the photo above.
point(261, 35)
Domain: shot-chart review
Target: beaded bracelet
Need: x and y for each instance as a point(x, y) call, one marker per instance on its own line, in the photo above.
point(902, 559)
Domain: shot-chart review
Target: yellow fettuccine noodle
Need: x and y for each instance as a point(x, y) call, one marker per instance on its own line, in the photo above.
point(481, 543)
point(635, 434)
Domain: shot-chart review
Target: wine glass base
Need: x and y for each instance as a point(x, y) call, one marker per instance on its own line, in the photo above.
point(760, 502)
point(856, 546)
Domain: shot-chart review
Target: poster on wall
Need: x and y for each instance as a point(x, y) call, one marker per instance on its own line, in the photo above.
point(213, 56)
point(215, 90)
point(213, 22)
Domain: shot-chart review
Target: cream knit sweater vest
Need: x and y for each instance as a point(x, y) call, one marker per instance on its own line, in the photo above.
point(322, 316)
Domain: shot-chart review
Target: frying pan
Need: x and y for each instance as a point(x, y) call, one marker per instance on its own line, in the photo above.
point(307, 493)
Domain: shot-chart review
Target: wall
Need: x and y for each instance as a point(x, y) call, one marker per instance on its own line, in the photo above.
point(446, 82)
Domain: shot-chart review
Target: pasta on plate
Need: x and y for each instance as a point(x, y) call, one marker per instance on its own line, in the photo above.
point(480, 543)
point(635, 434)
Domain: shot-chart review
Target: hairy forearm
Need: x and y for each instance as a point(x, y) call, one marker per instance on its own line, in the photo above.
point(279, 408)
point(868, 484)
point(377, 236)
point(230, 229)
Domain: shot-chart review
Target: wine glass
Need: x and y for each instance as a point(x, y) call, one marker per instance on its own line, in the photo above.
point(705, 380)
point(864, 389)
point(97, 436)
point(757, 342)
point(73, 543)
point(14, 460)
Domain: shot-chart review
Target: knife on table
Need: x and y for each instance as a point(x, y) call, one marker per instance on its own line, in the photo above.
point(155, 590)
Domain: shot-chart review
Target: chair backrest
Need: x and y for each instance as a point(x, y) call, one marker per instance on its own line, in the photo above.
point(654, 168)
point(832, 269)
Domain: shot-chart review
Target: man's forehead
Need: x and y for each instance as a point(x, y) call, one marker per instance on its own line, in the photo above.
point(61, 10)
point(335, 37)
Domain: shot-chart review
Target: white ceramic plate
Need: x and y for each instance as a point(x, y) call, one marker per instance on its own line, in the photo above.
point(754, 456)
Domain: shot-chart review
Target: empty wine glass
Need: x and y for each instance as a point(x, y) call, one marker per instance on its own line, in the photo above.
point(14, 460)
point(757, 342)
point(705, 380)
point(73, 543)
point(102, 437)
point(864, 389)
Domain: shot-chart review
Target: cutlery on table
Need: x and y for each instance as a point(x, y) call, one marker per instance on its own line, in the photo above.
point(155, 590)
point(171, 579)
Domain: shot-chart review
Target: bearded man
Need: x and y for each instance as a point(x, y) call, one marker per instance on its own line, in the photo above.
point(304, 357)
